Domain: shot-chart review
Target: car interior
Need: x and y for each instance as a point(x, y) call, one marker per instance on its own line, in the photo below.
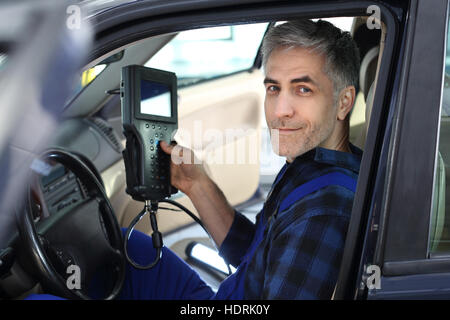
point(220, 88)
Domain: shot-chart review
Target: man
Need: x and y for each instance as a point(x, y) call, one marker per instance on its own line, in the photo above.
point(294, 250)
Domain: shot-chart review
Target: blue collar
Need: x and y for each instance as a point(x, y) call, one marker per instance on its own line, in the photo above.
point(345, 160)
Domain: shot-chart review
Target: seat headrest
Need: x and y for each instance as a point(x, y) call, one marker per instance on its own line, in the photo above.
point(368, 70)
point(369, 104)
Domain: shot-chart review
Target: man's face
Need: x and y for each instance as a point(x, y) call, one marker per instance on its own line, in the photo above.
point(299, 101)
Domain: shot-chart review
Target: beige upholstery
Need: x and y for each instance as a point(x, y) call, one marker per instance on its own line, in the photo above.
point(367, 87)
point(368, 70)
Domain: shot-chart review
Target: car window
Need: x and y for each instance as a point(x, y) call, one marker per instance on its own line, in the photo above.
point(202, 54)
point(439, 236)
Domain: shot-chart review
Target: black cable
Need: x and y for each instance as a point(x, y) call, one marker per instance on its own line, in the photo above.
point(229, 268)
point(113, 91)
point(156, 235)
point(170, 209)
point(192, 215)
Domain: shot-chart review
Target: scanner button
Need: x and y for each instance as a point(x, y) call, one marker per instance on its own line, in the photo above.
point(151, 141)
point(159, 127)
point(147, 125)
point(165, 128)
point(153, 126)
point(152, 148)
point(156, 135)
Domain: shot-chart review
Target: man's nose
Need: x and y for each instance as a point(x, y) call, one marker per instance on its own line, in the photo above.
point(283, 107)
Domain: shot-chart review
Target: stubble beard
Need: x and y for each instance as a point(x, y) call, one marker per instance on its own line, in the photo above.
point(306, 139)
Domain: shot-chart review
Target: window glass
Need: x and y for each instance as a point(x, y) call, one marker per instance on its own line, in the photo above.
point(439, 236)
point(202, 54)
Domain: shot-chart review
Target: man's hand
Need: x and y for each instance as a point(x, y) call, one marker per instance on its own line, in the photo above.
point(189, 176)
point(185, 168)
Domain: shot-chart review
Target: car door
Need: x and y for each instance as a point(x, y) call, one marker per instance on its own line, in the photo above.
point(402, 251)
point(143, 19)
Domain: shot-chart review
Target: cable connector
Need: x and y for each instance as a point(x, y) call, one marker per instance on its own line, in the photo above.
point(151, 207)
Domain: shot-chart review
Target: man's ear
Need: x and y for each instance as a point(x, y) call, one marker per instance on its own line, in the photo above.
point(346, 102)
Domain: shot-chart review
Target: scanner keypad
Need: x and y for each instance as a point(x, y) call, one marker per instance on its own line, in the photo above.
point(160, 164)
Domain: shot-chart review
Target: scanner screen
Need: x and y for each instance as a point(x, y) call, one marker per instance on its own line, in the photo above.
point(155, 99)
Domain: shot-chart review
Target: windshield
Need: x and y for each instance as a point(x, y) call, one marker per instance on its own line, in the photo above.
point(203, 54)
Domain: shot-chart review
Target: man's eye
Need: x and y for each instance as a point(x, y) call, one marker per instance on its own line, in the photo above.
point(304, 90)
point(272, 89)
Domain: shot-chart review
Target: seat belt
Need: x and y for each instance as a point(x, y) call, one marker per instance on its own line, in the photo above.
point(333, 178)
point(233, 286)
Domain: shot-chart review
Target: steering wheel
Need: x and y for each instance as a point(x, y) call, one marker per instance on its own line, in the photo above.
point(84, 242)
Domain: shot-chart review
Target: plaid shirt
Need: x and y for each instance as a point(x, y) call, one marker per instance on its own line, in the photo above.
point(300, 254)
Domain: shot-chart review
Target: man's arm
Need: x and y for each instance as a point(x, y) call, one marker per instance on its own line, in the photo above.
point(214, 210)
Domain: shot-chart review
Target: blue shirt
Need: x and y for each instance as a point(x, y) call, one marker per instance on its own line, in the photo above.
point(300, 254)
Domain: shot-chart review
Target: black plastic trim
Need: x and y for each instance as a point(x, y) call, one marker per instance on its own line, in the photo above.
point(422, 266)
point(350, 267)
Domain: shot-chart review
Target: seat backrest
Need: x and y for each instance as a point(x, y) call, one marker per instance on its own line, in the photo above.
point(368, 70)
point(367, 77)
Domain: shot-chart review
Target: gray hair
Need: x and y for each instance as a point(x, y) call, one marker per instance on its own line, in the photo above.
point(341, 52)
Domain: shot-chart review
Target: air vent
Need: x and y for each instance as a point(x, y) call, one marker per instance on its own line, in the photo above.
point(108, 132)
point(84, 189)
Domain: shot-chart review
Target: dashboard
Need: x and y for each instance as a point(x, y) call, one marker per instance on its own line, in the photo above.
point(56, 190)
point(59, 190)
